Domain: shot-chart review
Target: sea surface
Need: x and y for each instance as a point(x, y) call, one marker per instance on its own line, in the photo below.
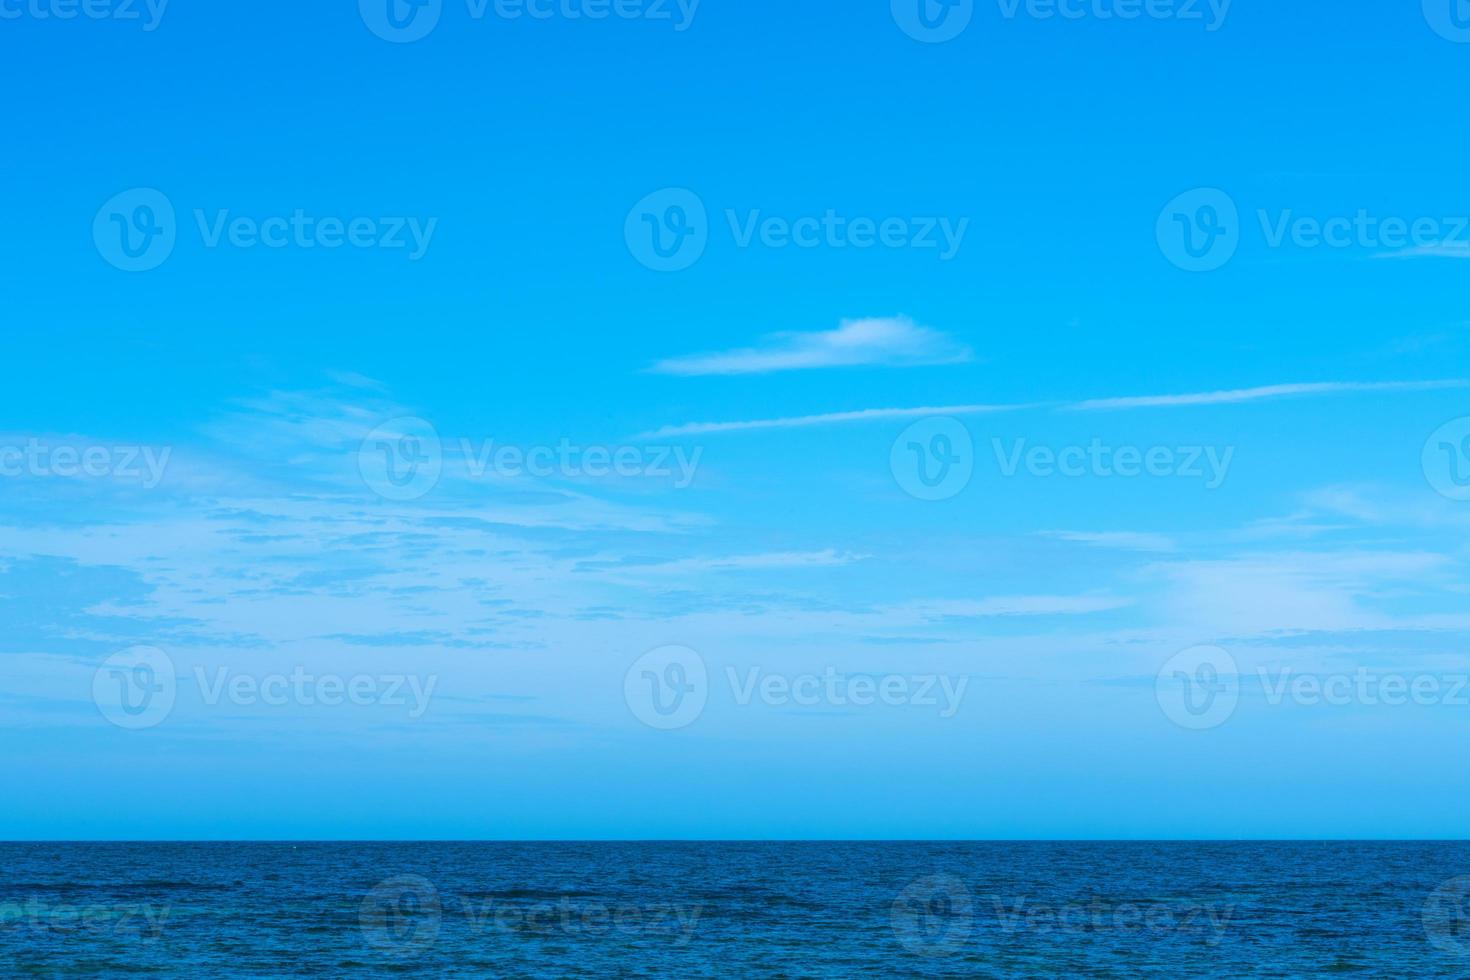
point(735, 909)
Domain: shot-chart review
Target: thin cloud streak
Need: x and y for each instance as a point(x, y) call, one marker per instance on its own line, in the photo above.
point(1225, 397)
point(874, 341)
point(1122, 540)
point(1237, 395)
point(828, 418)
point(1436, 250)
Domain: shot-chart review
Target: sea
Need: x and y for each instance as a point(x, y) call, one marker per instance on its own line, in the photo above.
point(757, 909)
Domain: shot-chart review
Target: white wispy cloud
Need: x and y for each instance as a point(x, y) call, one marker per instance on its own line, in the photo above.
point(877, 340)
point(827, 418)
point(1450, 249)
point(1017, 605)
point(1223, 397)
point(1299, 591)
point(1234, 395)
point(755, 562)
point(1383, 506)
point(1121, 540)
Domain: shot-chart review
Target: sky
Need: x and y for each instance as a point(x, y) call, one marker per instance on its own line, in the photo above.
point(565, 419)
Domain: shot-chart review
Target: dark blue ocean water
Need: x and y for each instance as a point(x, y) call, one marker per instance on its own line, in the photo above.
point(735, 910)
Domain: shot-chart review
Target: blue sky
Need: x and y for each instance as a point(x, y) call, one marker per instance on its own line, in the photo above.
point(774, 401)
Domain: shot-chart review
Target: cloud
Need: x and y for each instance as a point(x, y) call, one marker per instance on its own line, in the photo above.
point(1383, 507)
point(876, 341)
point(352, 379)
point(1450, 249)
point(1229, 396)
point(1121, 540)
point(737, 563)
point(828, 418)
point(1298, 592)
point(1234, 395)
point(1019, 605)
